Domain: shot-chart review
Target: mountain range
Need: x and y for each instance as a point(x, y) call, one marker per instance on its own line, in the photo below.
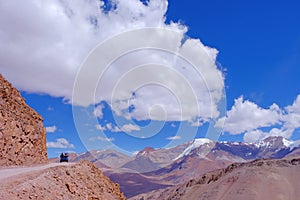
point(154, 169)
point(199, 169)
point(259, 179)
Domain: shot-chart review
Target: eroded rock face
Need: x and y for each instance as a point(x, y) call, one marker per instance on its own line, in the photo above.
point(22, 134)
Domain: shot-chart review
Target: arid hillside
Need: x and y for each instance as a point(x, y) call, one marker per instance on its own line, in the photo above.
point(69, 181)
point(259, 180)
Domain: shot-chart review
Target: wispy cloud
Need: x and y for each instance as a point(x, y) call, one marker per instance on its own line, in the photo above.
point(51, 129)
point(108, 127)
point(102, 139)
point(98, 111)
point(60, 143)
point(50, 108)
point(130, 127)
point(197, 124)
point(173, 125)
point(176, 137)
point(100, 128)
point(113, 128)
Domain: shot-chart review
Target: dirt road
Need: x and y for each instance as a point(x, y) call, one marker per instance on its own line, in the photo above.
point(17, 171)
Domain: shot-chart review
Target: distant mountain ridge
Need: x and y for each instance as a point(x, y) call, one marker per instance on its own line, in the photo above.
point(110, 158)
point(150, 159)
point(152, 169)
point(259, 179)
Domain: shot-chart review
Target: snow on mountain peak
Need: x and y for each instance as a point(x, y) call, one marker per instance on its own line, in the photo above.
point(200, 141)
point(269, 142)
point(262, 143)
point(291, 144)
point(195, 144)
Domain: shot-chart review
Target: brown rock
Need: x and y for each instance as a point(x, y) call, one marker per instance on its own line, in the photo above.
point(70, 188)
point(22, 134)
point(85, 181)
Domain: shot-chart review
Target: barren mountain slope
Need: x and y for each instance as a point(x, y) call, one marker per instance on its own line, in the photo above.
point(109, 158)
point(150, 159)
point(78, 181)
point(259, 180)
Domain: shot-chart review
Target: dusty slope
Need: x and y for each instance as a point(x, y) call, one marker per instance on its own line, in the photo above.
point(257, 180)
point(69, 181)
point(133, 184)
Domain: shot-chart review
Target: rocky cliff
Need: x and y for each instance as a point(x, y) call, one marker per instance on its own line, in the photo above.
point(22, 134)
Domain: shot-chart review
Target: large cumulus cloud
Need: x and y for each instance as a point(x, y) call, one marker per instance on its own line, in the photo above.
point(256, 123)
point(43, 44)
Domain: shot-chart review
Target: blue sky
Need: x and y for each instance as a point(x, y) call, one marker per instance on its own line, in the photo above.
point(259, 51)
point(258, 43)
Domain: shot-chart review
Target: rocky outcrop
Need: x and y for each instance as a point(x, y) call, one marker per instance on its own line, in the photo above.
point(22, 134)
point(70, 181)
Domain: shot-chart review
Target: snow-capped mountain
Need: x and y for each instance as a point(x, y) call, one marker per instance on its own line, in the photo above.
point(291, 144)
point(150, 159)
point(195, 144)
point(159, 168)
point(272, 147)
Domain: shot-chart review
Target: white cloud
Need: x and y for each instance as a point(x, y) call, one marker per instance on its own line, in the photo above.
point(99, 127)
point(108, 127)
point(197, 123)
point(130, 127)
point(50, 108)
point(295, 107)
point(51, 129)
point(112, 128)
point(102, 139)
point(60, 143)
point(176, 137)
point(254, 136)
point(257, 135)
point(98, 111)
point(125, 128)
point(46, 41)
point(247, 116)
point(286, 133)
point(292, 118)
